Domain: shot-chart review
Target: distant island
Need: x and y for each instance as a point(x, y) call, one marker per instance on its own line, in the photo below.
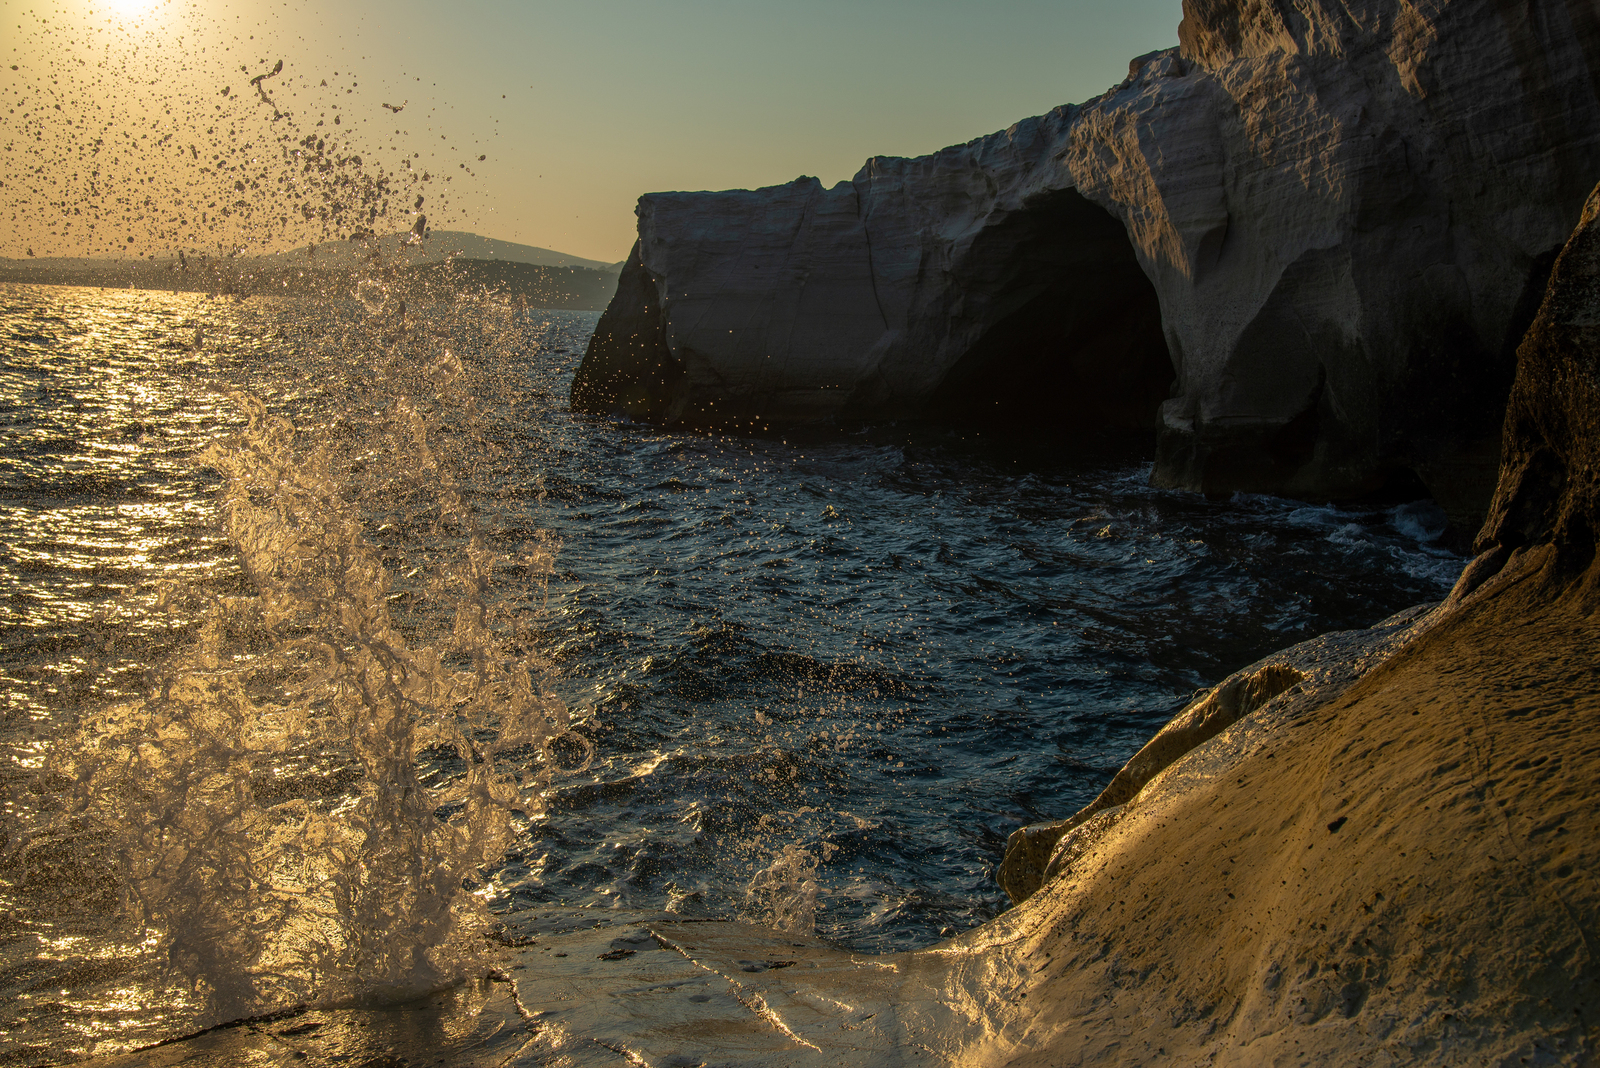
point(448, 261)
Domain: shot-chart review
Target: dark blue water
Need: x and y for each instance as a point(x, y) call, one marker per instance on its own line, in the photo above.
point(894, 646)
point(825, 674)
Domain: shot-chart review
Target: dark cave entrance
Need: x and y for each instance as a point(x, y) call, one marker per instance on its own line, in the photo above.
point(1074, 346)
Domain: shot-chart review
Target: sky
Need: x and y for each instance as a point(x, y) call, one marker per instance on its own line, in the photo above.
point(576, 108)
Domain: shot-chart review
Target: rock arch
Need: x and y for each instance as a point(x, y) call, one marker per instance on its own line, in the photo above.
point(1070, 340)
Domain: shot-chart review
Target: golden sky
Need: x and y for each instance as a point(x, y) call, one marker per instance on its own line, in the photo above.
point(536, 122)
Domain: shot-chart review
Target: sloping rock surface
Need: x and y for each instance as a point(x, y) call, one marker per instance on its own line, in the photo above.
point(1400, 875)
point(1274, 692)
point(1322, 228)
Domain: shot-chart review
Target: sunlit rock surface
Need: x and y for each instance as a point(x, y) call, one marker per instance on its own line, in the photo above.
point(1275, 692)
point(1331, 222)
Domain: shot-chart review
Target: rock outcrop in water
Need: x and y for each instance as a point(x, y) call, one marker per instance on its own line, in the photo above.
point(1310, 237)
point(1390, 861)
point(964, 284)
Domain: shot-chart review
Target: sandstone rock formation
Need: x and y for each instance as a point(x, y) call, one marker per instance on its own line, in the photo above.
point(1402, 874)
point(1329, 222)
point(1391, 862)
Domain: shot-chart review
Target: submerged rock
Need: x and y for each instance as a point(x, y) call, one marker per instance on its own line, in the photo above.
point(1310, 237)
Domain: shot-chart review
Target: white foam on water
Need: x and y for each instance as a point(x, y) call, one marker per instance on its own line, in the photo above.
point(1422, 521)
point(1353, 534)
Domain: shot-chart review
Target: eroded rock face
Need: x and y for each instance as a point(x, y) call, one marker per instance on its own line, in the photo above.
point(1349, 212)
point(1549, 492)
point(1330, 222)
point(970, 284)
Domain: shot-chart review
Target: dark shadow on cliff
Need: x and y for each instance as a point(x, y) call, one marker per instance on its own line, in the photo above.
point(1075, 348)
point(628, 370)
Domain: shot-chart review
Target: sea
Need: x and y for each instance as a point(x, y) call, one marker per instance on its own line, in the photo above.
point(328, 635)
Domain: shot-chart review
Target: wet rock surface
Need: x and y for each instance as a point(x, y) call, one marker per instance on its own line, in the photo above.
point(591, 987)
point(476, 1025)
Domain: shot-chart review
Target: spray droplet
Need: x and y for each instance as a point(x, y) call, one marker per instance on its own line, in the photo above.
point(259, 78)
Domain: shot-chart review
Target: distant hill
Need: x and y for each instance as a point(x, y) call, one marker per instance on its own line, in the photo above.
point(443, 243)
point(575, 288)
point(445, 261)
point(439, 245)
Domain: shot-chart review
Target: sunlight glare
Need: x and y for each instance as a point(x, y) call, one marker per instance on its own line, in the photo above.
point(129, 8)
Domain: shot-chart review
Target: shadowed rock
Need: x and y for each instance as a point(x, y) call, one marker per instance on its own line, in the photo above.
point(1549, 492)
point(799, 304)
point(1321, 228)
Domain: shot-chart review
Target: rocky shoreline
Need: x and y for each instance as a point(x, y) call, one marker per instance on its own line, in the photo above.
point(1300, 249)
point(1375, 848)
point(1385, 854)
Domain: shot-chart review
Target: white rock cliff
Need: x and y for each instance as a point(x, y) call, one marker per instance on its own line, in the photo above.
point(1302, 246)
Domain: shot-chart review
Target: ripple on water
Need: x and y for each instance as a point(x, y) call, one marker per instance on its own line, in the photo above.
point(884, 650)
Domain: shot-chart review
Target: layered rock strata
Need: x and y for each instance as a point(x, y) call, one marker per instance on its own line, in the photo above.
point(1401, 873)
point(1321, 228)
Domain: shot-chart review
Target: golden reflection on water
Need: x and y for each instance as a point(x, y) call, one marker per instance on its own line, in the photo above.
point(105, 400)
point(113, 565)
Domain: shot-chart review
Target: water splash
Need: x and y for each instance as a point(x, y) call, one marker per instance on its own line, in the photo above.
point(302, 806)
point(783, 895)
point(132, 143)
point(298, 806)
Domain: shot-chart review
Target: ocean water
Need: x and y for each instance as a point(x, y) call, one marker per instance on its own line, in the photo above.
point(328, 634)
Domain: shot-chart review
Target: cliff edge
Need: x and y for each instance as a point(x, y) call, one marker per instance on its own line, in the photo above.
point(1301, 248)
